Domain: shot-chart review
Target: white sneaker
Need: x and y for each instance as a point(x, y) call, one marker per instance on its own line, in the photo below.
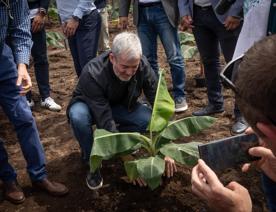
point(30, 103)
point(180, 105)
point(50, 104)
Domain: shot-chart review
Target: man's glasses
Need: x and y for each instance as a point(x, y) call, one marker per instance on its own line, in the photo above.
point(228, 76)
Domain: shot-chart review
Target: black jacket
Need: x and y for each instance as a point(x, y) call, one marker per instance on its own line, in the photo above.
point(100, 89)
point(34, 4)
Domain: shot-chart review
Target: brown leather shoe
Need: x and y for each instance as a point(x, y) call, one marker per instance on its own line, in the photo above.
point(13, 192)
point(53, 188)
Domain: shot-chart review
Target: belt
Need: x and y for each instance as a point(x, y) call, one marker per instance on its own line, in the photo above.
point(150, 4)
point(203, 8)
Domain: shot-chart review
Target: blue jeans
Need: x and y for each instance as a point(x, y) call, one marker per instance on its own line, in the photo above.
point(84, 44)
point(154, 22)
point(41, 65)
point(209, 33)
point(81, 120)
point(19, 113)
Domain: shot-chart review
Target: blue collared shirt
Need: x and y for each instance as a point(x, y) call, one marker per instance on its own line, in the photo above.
point(79, 8)
point(15, 23)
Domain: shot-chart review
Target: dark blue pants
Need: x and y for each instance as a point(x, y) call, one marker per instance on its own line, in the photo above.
point(209, 33)
point(81, 121)
point(41, 66)
point(20, 115)
point(84, 44)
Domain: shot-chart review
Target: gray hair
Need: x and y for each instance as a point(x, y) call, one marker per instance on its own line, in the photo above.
point(127, 43)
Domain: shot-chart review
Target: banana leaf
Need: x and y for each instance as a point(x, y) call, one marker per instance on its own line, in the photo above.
point(163, 107)
point(186, 154)
point(187, 126)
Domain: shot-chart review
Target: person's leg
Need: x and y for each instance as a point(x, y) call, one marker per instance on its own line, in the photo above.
point(41, 66)
point(135, 121)
point(104, 35)
point(19, 113)
point(81, 124)
point(74, 52)
point(148, 37)
point(207, 43)
point(87, 37)
point(170, 40)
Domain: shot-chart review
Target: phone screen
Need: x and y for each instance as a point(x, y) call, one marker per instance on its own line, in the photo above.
point(228, 152)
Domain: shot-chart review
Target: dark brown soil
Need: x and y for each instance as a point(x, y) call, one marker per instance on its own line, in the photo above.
point(63, 156)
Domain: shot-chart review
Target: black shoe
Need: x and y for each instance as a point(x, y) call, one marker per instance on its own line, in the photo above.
point(208, 110)
point(94, 180)
point(239, 126)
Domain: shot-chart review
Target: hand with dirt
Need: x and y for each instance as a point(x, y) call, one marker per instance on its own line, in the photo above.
point(70, 27)
point(123, 23)
point(23, 79)
point(231, 23)
point(207, 186)
point(267, 163)
point(38, 23)
point(186, 23)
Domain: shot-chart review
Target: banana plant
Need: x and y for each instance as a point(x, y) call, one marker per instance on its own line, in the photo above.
point(158, 142)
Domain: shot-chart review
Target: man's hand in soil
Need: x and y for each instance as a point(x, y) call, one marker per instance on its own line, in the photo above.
point(70, 27)
point(231, 23)
point(267, 163)
point(207, 186)
point(186, 23)
point(38, 22)
point(170, 167)
point(123, 23)
point(23, 79)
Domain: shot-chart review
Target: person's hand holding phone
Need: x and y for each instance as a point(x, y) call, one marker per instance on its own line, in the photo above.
point(268, 160)
point(207, 186)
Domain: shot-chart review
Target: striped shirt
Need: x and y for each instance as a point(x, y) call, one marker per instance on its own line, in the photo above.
point(15, 25)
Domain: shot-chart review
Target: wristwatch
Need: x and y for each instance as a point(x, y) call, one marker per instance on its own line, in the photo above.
point(76, 18)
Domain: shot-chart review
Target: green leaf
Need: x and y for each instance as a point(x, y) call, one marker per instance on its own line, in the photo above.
point(131, 169)
point(163, 107)
point(187, 126)
point(106, 145)
point(186, 154)
point(186, 38)
point(151, 170)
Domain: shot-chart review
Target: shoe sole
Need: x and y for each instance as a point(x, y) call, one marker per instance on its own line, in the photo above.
point(17, 202)
point(182, 109)
point(53, 110)
point(94, 188)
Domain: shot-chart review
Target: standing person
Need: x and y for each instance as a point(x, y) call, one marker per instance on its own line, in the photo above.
point(210, 31)
point(159, 18)
point(81, 24)
point(259, 21)
point(38, 11)
point(14, 83)
point(106, 95)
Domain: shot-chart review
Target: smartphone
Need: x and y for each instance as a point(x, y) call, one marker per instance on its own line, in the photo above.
point(228, 152)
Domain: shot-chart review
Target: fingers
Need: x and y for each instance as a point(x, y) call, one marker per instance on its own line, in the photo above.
point(261, 152)
point(249, 130)
point(246, 167)
point(170, 166)
point(208, 173)
point(139, 181)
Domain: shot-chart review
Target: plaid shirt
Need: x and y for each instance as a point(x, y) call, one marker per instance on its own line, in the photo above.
point(15, 25)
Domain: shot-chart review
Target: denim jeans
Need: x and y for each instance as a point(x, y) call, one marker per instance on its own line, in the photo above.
point(154, 22)
point(209, 33)
point(81, 121)
point(41, 65)
point(20, 115)
point(84, 43)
